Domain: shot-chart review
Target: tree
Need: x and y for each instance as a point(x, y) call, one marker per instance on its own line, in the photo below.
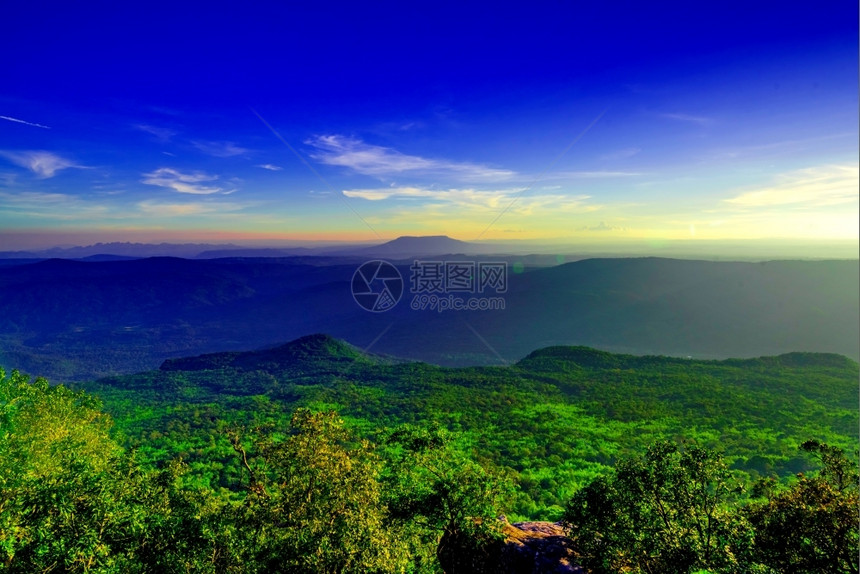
point(313, 502)
point(56, 462)
point(666, 511)
point(812, 527)
point(452, 500)
point(72, 500)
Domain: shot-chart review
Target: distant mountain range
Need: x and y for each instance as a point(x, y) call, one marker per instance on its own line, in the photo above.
point(402, 247)
point(118, 249)
point(407, 247)
point(74, 320)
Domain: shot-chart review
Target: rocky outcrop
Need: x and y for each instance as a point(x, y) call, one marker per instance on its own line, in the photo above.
point(527, 548)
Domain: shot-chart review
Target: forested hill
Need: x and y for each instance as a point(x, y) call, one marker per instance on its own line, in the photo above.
point(311, 352)
point(555, 420)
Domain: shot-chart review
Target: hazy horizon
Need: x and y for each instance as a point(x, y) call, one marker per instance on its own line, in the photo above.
point(705, 249)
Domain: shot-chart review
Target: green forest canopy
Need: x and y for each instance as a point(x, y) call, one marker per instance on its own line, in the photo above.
point(311, 495)
point(554, 421)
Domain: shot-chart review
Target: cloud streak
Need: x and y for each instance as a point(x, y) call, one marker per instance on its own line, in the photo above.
point(470, 199)
point(381, 161)
point(593, 174)
point(35, 198)
point(161, 134)
point(602, 226)
point(184, 182)
point(57, 206)
point(784, 146)
point(16, 120)
point(681, 117)
point(43, 163)
point(621, 154)
point(817, 187)
point(219, 148)
point(269, 166)
point(160, 209)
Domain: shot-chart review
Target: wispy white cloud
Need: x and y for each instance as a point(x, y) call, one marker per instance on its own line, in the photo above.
point(43, 163)
point(35, 198)
point(67, 207)
point(270, 167)
point(165, 111)
point(472, 200)
point(681, 117)
point(388, 193)
point(381, 161)
point(7, 118)
point(784, 146)
point(593, 174)
point(57, 206)
point(474, 213)
point(460, 197)
point(621, 154)
point(161, 134)
point(219, 148)
point(816, 186)
point(183, 182)
point(602, 226)
point(161, 209)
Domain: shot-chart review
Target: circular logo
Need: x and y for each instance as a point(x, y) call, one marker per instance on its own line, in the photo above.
point(377, 286)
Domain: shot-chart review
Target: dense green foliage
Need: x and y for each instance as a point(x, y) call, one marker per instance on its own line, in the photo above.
point(677, 511)
point(313, 502)
point(311, 494)
point(812, 526)
point(72, 500)
point(314, 498)
point(667, 511)
point(555, 421)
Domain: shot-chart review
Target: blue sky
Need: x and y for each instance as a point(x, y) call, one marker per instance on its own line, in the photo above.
point(549, 121)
